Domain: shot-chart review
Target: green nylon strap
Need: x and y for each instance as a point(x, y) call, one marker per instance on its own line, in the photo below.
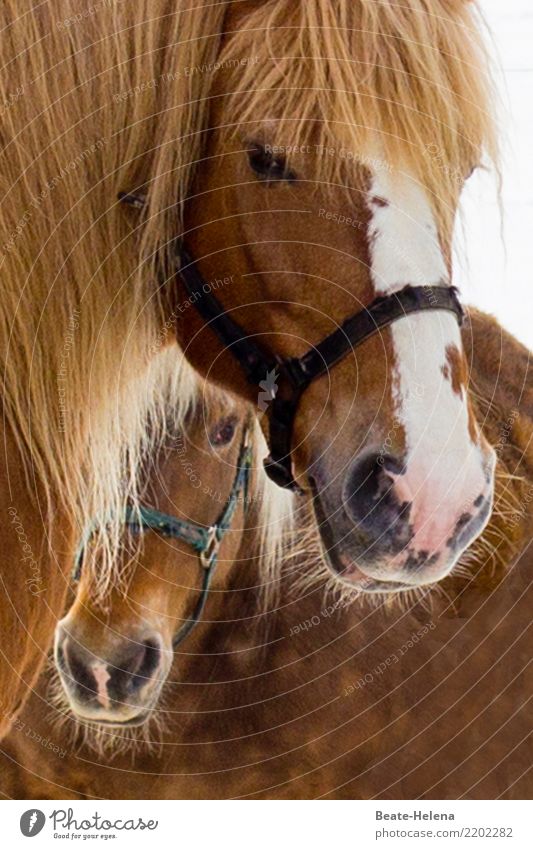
point(197, 536)
point(204, 540)
point(148, 518)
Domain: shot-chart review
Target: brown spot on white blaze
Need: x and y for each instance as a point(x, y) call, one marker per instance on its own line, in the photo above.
point(376, 200)
point(456, 372)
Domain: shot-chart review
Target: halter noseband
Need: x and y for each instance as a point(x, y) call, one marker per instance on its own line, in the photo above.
point(294, 374)
point(204, 540)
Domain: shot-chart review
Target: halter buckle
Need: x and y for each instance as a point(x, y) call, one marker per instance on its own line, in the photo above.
point(208, 555)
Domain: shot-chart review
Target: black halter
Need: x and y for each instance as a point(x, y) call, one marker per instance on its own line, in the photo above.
point(287, 378)
point(294, 374)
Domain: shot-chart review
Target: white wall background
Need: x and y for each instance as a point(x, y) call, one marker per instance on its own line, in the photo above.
point(495, 271)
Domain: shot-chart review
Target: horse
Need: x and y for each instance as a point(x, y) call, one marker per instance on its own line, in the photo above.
point(335, 697)
point(86, 373)
point(323, 208)
point(291, 160)
point(207, 471)
point(88, 359)
point(211, 511)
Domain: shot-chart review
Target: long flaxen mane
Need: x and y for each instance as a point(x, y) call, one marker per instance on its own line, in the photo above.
point(95, 101)
point(405, 84)
point(86, 376)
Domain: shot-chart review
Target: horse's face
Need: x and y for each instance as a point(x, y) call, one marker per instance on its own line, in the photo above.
point(113, 661)
point(386, 442)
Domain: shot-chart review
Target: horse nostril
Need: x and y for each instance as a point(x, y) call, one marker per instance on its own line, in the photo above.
point(369, 487)
point(149, 660)
point(75, 664)
point(131, 674)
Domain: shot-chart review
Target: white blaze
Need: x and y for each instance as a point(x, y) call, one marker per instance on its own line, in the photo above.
point(442, 463)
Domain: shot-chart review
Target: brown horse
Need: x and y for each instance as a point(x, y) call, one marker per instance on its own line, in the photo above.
point(316, 125)
point(85, 379)
point(202, 479)
point(318, 194)
point(427, 699)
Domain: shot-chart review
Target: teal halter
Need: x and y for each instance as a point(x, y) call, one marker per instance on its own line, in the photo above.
point(205, 541)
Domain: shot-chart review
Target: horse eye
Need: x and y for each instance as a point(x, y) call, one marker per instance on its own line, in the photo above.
point(267, 165)
point(224, 432)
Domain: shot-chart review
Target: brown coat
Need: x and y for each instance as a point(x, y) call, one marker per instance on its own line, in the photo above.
point(358, 702)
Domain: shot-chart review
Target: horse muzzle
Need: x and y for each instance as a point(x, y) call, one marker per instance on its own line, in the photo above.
point(118, 686)
point(380, 534)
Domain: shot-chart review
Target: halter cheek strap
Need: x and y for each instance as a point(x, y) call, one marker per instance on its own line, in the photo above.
point(204, 540)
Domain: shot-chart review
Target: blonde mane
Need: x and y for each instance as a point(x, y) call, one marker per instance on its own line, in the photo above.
point(399, 84)
point(115, 96)
point(85, 374)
